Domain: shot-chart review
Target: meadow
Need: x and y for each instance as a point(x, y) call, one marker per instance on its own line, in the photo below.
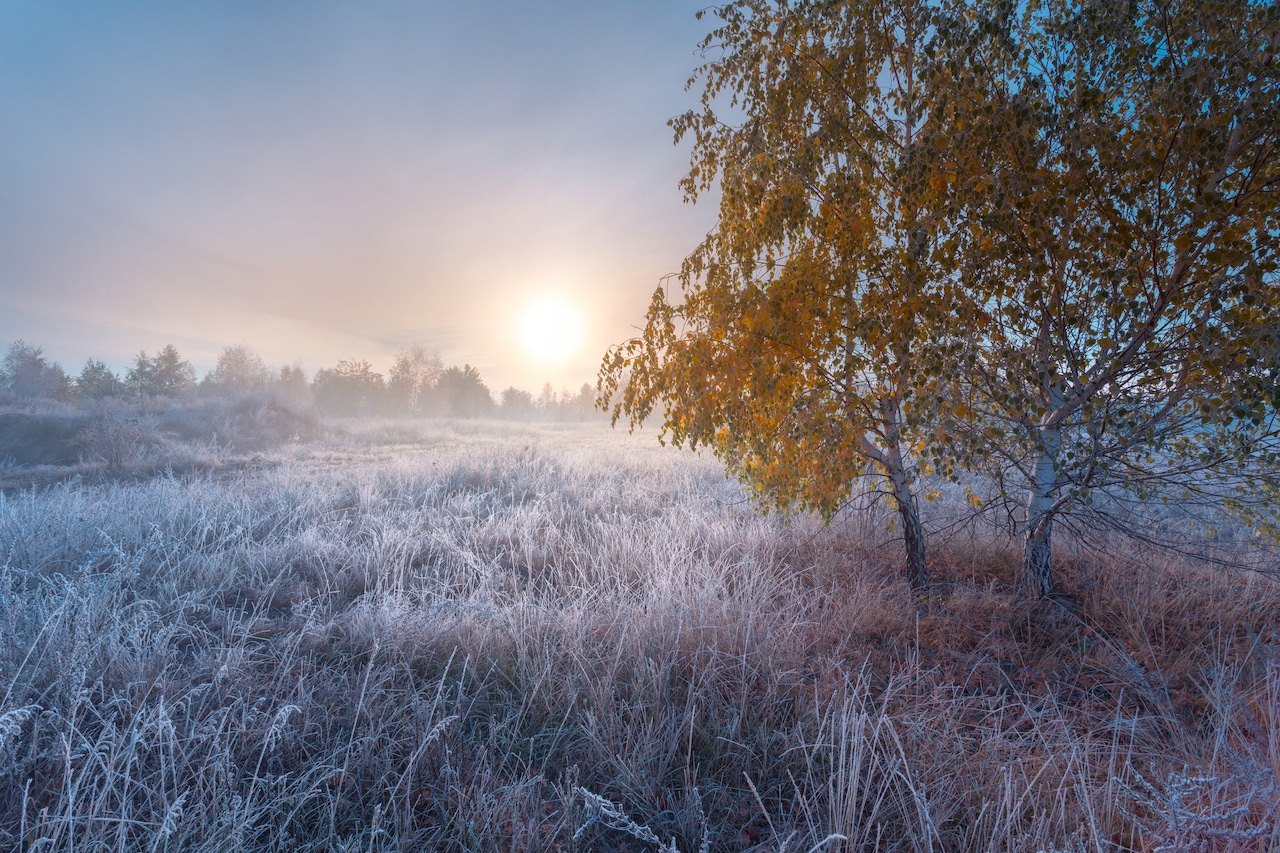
point(479, 636)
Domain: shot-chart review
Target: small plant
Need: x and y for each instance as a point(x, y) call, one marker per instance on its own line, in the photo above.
point(11, 723)
point(611, 816)
point(1192, 813)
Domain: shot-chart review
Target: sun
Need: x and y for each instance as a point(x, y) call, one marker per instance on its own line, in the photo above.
point(552, 330)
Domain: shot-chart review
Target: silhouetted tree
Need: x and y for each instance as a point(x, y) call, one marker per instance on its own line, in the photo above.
point(464, 393)
point(166, 374)
point(516, 404)
point(239, 370)
point(350, 388)
point(97, 381)
point(27, 375)
point(413, 376)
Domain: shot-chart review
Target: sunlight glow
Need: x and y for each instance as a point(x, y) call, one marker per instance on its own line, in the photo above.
point(552, 331)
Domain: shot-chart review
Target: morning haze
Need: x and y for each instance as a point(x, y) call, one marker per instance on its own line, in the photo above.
point(327, 181)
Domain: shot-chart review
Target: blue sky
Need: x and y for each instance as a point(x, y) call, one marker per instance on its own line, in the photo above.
point(325, 180)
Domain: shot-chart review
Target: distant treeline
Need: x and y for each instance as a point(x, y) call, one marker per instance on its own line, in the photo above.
point(418, 383)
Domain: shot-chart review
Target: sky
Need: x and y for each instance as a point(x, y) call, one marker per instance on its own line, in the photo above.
point(492, 179)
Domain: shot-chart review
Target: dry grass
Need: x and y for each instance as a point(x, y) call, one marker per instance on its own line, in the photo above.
point(482, 637)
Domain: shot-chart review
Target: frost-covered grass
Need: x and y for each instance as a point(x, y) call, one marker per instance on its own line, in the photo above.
point(475, 636)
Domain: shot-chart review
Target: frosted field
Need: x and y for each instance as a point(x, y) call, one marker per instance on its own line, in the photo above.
point(474, 636)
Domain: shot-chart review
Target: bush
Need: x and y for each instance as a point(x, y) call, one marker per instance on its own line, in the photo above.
point(120, 437)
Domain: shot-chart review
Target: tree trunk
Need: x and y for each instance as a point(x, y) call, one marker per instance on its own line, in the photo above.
point(1037, 555)
point(913, 534)
point(912, 531)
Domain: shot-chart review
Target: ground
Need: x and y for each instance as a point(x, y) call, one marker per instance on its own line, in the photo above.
point(403, 635)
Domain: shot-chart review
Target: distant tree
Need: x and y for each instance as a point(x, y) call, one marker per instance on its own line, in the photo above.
point(350, 388)
point(239, 370)
point(166, 374)
point(582, 406)
point(138, 379)
point(412, 378)
point(516, 403)
point(547, 401)
point(97, 381)
point(27, 375)
point(173, 376)
point(292, 384)
point(464, 393)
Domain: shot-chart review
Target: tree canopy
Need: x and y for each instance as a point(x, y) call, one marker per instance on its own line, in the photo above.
point(28, 375)
point(239, 370)
point(166, 374)
point(412, 379)
point(351, 387)
point(97, 380)
point(463, 393)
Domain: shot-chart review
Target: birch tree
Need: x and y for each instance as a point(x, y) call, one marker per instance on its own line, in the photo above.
point(412, 377)
point(1117, 197)
point(792, 346)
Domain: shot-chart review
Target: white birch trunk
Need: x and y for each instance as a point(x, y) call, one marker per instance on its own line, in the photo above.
point(1037, 556)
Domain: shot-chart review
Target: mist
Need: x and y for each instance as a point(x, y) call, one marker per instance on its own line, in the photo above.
point(317, 180)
